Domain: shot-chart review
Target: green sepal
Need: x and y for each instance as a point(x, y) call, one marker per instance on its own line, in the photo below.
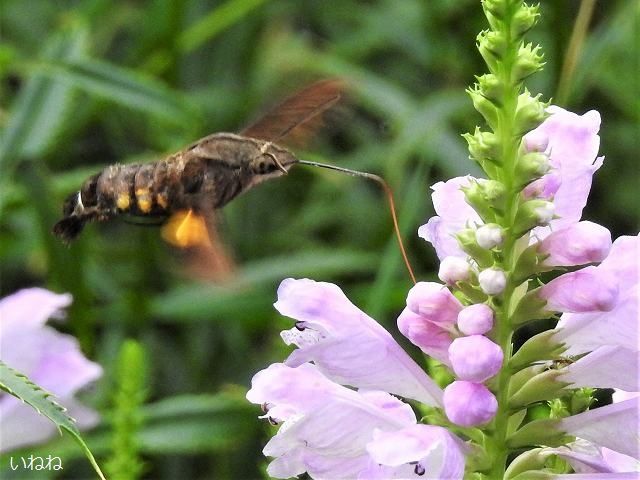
point(487, 198)
point(530, 307)
point(484, 106)
point(524, 20)
point(543, 386)
point(521, 377)
point(530, 215)
point(528, 62)
point(497, 9)
point(533, 459)
point(467, 241)
point(492, 45)
point(515, 421)
point(530, 112)
point(539, 432)
point(539, 347)
point(530, 167)
point(491, 87)
point(483, 146)
point(537, 475)
point(472, 292)
point(529, 263)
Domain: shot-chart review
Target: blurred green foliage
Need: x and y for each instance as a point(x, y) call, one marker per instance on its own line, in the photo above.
point(84, 84)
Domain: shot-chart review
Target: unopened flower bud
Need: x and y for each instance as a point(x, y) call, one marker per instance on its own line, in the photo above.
point(577, 244)
point(530, 112)
point(533, 213)
point(529, 61)
point(469, 404)
point(492, 45)
point(523, 20)
point(434, 302)
point(483, 146)
point(453, 270)
point(467, 241)
point(497, 8)
point(489, 236)
point(492, 281)
point(475, 358)
point(476, 319)
point(531, 166)
point(536, 141)
point(484, 106)
point(486, 197)
point(491, 87)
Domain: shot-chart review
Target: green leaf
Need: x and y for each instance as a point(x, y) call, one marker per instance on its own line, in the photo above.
point(215, 22)
point(121, 85)
point(21, 387)
point(38, 113)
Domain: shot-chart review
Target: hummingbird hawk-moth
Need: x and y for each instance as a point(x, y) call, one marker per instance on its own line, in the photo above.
point(184, 189)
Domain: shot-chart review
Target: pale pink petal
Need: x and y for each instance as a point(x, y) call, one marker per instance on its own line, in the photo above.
point(576, 244)
point(435, 303)
point(435, 450)
point(469, 404)
point(623, 261)
point(586, 290)
point(432, 339)
point(613, 426)
point(606, 367)
point(30, 308)
point(583, 332)
point(586, 457)
point(573, 147)
point(347, 345)
point(475, 358)
point(454, 214)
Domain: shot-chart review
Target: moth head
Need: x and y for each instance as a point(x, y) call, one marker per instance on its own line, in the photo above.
point(271, 161)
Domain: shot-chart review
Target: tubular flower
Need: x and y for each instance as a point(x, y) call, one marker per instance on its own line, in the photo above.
point(48, 358)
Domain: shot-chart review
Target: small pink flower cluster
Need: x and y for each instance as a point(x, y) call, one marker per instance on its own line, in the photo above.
point(443, 328)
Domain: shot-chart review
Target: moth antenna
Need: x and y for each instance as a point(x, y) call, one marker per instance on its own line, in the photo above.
point(389, 193)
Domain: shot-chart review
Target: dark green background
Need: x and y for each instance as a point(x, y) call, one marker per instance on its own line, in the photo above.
point(84, 84)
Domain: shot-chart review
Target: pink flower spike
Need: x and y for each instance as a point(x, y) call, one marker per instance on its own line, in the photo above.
point(454, 214)
point(573, 147)
point(475, 358)
point(348, 346)
point(586, 290)
point(613, 426)
point(606, 367)
point(431, 338)
point(435, 303)
point(469, 404)
point(576, 244)
point(421, 448)
point(476, 319)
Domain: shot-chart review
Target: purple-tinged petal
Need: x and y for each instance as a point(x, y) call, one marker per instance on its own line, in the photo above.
point(435, 303)
point(573, 146)
point(584, 332)
point(426, 448)
point(613, 426)
point(586, 290)
point(469, 404)
point(328, 434)
point(543, 188)
point(475, 358)
point(476, 319)
point(622, 262)
point(606, 367)
point(30, 308)
point(347, 345)
point(432, 339)
point(622, 395)
point(594, 476)
point(454, 213)
point(576, 244)
point(585, 457)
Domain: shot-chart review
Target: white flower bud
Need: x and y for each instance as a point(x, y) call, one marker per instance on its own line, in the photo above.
point(492, 281)
point(454, 269)
point(489, 236)
point(544, 212)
